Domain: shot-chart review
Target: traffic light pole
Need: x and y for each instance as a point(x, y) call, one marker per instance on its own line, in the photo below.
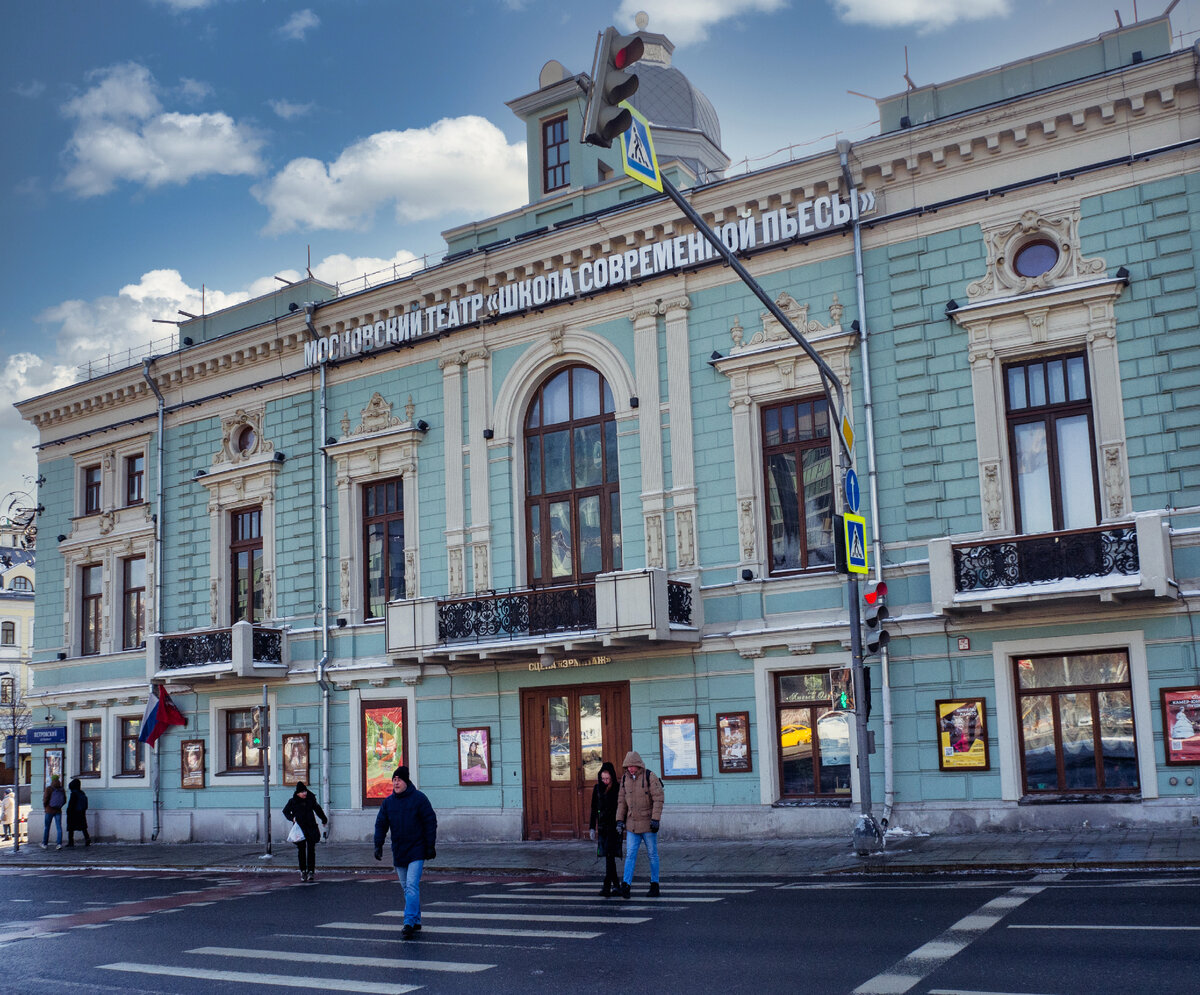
point(266, 738)
point(867, 836)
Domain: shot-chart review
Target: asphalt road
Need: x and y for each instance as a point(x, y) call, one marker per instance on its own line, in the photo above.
point(177, 932)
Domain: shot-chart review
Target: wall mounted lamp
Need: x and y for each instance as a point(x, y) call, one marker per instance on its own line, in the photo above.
point(61, 656)
point(49, 717)
point(634, 402)
point(855, 326)
point(488, 433)
point(422, 425)
point(187, 340)
point(61, 537)
point(1123, 274)
point(341, 623)
point(715, 356)
point(747, 574)
point(951, 307)
point(331, 441)
point(279, 457)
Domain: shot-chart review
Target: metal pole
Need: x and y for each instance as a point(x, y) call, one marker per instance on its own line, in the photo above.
point(266, 739)
point(866, 834)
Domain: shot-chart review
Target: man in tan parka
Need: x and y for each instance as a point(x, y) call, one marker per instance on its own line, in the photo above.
point(639, 809)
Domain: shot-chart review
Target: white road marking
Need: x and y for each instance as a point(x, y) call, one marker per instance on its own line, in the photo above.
point(348, 961)
point(909, 971)
point(590, 889)
point(250, 978)
point(507, 916)
point(527, 896)
point(1120, 929)
point(553, 934)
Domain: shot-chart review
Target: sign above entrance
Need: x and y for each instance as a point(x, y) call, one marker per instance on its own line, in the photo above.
point(550, 663)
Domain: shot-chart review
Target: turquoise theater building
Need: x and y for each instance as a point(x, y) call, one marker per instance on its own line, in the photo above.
point(574, 490)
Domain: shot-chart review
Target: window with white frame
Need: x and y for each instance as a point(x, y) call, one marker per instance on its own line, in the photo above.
point(798, 464)
point(132, 763)
point(133, 598)
point(90, 742)
point(8, 633)
point(91, 604)
point(135, 478)
point(91, 481)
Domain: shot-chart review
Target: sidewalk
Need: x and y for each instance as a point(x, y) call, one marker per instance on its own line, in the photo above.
point(1174, 847)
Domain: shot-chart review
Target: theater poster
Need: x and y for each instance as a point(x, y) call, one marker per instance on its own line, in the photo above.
point(384, 726)
point(1181, 724)
point(962, 734)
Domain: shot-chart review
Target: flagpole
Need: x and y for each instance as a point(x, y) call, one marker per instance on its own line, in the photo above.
point(154, 780)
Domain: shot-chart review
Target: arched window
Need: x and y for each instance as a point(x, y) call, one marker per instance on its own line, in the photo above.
point(572, 494)
point(20, 584)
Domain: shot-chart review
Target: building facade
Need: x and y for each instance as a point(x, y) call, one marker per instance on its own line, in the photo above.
point(17, 571)
point(574, 490)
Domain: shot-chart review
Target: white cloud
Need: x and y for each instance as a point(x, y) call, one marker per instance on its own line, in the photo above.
point(926, 14)
point(184, 5)
point(686, 22)
point(288, 110)
point(194, 91)
point(31, 90)
point(123, 133)
point(460, 164)
point(300, 22)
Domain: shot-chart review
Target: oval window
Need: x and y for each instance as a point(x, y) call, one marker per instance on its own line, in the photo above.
point(246, 439)
point(1035, 258)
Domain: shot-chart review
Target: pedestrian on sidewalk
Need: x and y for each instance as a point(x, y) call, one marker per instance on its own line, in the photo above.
point(77, 807)
point(53, 800)
point(639, 809)
point(603, 825)
point(408, 816)
point(304, 810)
point(9, 815)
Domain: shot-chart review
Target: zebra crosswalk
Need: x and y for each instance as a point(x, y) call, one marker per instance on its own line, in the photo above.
point(506, 920)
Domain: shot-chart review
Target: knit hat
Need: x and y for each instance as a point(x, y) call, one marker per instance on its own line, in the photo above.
point(301, 786)
point(402, 773)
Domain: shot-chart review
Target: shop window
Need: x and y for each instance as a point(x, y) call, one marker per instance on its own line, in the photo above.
point(383, 544)
point(1051, 443)
point(8, 633)
point(1075, 723)
point(556, 154)
point(813, 737)
point(242, 727)
point(92, 477)
point(246, 565)
point(572, 503)
point(89, 748)
point(135, 479)
point(133, 586)
point(131, 749)
point(91, 603)
point(798, 465)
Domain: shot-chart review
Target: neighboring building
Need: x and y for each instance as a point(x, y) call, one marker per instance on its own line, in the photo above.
point(573, 489)
point(17, 562)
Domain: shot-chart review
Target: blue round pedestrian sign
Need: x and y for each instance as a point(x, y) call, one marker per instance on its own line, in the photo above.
point(851, 490)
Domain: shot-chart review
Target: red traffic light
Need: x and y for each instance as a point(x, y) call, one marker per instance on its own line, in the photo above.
point(880, 592)
point(630, 54)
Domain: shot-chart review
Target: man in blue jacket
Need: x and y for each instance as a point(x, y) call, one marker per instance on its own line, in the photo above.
point(406, 812)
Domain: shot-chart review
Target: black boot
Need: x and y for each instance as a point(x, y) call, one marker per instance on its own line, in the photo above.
point(606, 890)
point(653, 892)
point(624, 890)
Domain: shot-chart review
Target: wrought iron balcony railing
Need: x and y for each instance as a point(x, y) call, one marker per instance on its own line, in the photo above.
point(517, 612)
point(240, 649)
point(1108, 561)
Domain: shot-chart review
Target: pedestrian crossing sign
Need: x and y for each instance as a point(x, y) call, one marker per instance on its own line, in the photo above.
point(856, 543)
point(637, 151)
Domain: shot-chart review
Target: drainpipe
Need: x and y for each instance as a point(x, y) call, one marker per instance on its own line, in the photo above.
point(309, 311)
point(889, 791)
point(158, 570)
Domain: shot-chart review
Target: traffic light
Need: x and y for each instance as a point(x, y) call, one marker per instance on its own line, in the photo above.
point(256, 726)
point(10, 752)
point(611, 84)
point(877, 613)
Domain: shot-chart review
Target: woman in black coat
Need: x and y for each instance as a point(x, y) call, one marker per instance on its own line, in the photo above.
point(77, 807)
point(604, 825)
point(302, 808)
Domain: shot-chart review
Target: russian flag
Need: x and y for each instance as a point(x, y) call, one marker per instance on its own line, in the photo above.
point(160, 713)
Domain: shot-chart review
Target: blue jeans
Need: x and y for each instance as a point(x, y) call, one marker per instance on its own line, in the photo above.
point(56, 818)
point(410, 877)
point(634, 842)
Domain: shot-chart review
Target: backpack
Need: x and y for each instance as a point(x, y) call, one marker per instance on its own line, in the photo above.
point(57, 798)
point(646, 770)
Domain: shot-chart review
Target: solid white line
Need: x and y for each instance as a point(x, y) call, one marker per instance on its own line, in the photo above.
point(561, 934)
point(1123, 929)
point(674, 885)
point(964, 991)
point(528, 897)
point(664, 906)
point(311, 958)
point(508, 916)
point(590, 889)
point(248, 978)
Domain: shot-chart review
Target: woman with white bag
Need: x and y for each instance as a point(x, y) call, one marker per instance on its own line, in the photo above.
point(303, 811)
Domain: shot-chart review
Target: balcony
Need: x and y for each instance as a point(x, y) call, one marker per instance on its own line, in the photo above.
point(1110, 562)
point(629, 608)
point(242, 650)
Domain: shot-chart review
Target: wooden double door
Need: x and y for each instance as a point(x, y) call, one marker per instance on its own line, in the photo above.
point(566, 734)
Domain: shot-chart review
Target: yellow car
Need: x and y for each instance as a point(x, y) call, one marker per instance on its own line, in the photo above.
point(794, 736)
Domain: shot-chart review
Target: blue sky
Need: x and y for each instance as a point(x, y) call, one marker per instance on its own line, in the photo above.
point(155, 147)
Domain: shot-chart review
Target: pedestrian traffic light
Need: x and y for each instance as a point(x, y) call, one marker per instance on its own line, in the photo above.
point(877, 613)
point(604, 120)
point(256, 726)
